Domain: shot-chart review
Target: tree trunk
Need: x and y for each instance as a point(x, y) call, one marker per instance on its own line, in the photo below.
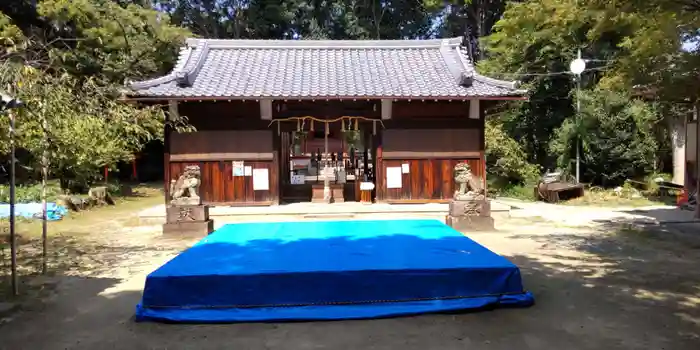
point(13, 236)
point(677, 128)
point(480, 19)
point(377, 17)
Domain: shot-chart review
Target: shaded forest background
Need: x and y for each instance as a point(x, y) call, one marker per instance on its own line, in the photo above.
point(68, 60)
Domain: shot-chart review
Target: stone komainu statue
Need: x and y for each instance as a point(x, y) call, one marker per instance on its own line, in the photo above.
point(469, 188)
point(100, 195)
point(184, 190)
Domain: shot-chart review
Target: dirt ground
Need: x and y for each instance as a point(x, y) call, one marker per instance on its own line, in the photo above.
point(597, 286)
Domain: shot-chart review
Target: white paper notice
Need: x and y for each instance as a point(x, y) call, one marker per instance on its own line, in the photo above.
point(237, 168)
point(393, 177)
point(298, 179)
point(404, 168)
point(248, 170)
point(366, 186)
point(261, 180)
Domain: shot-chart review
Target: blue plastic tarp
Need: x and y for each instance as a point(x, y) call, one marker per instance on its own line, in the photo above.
point(34, 210)
point(329, 270)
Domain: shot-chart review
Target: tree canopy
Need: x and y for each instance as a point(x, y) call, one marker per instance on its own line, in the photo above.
point(69, 60)
point(630, 46)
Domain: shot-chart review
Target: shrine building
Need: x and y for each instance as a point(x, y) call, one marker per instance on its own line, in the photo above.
point(275, 120)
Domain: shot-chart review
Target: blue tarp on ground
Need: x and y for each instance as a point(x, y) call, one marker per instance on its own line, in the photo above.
point(34, 210)
point(327, 271)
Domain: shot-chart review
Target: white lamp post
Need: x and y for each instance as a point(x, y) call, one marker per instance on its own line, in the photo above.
point(577, 67)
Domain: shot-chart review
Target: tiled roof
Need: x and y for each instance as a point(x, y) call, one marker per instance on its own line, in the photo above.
point(209, 68)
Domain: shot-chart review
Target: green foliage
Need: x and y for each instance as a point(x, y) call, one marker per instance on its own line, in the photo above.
point(86, 129)
point(631, 44)
point(508, 171)
point(472, 19)
point(116, 189)
point(310, 19)
point(70, 79)
point(10, 35)
point(109, 42)
point(536, 38)
point(616, 134)
point(499, 188)
point(533, 122)
point(650, 53)
point(29, 193)
point(69, 59)
point(505, 158)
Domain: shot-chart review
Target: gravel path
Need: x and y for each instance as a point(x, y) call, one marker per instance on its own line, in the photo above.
point(602, 286)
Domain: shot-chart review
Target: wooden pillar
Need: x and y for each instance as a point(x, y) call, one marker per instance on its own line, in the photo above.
point(326, 180)
point(379, 176)
point(478, 111)
point(266, 109)
point(386, 109)
point(378, 170)
point(366, 149)
point(696, 114)
point(277, 166)
point(170, 116)
point(475, 110)
point(280, 155)
point(166, 163)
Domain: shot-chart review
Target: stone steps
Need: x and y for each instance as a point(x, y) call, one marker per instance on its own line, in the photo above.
point(304, 211)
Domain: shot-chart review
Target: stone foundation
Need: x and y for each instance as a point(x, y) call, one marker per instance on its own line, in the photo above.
point(185, 213)
point(188, 220)
point(470, 223)
point(470, 215)
point(194, 228)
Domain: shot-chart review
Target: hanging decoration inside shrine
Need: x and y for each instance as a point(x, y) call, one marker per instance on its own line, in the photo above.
point(352, 123)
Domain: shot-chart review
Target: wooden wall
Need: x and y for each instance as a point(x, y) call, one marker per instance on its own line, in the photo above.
point(224, 115)
point(428, 180)
point(430, 138)
point(220, 187)
point(431, 143)
point(222, 145)
point(225, 132)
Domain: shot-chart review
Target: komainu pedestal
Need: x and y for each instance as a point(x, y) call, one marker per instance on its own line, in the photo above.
point(470, 215)
point(188, 220)
point(470, 210)
point(186, 215)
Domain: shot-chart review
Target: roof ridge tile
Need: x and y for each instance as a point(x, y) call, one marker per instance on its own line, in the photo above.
point(322, 44)
point(188, 74)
